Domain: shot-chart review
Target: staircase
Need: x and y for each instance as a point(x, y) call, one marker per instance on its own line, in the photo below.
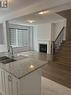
point(64, 55)
point(59, 70)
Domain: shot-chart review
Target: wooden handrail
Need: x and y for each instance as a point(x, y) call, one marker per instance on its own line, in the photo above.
point(57, 43)
point(59, 34)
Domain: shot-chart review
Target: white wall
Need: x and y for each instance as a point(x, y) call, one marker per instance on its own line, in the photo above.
point(3, 47)
point(1, 34)
point(35, 30)
point(42, 34)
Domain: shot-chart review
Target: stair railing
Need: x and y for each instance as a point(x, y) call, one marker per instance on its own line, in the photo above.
point(57, 43)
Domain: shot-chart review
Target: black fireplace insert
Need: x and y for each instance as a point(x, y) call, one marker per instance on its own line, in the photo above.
point(43, 48)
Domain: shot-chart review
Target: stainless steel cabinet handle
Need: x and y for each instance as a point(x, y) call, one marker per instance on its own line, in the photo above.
point(9, 78)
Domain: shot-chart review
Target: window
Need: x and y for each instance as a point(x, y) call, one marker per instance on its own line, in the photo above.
point(12, 36)
point(20, 37)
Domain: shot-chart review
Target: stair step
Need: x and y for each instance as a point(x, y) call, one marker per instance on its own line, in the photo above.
point(67, 45)
point(64, 52)
point(66, 48)
point(67, 42)
point(64, 64)
point(63, 57)
point(64, 61)
point(59, 69)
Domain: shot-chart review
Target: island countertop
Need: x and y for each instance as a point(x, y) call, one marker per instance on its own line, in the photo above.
point(26, 63)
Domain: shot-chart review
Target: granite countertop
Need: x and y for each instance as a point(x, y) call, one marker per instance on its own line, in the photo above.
point(21, 67)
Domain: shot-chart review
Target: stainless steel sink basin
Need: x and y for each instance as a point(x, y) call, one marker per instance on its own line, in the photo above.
point(6, 60)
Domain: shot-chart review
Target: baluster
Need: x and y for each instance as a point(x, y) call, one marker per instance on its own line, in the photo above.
point(57, 43)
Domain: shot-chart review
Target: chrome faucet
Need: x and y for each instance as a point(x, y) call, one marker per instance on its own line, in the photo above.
point(10, 52)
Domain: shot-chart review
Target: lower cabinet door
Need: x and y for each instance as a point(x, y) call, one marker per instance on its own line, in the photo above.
point(11, 84)
point(8, 84)
point(15, 86)
point(2, 82)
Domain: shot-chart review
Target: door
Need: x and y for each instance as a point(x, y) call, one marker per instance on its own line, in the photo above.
point(2, 82)
point(11, 84)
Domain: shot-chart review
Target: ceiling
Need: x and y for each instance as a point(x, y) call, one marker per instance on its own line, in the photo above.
point(38, 19)
point(15, 5)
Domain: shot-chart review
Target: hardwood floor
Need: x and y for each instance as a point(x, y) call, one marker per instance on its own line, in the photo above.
point(59, 70)
point(49, 87)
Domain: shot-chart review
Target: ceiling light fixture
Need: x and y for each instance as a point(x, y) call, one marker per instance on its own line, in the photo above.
point(31, 21)
point(3, 3)
point(43, 12)
point(31, 66)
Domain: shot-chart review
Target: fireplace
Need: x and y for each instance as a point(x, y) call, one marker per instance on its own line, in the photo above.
point(43, 48)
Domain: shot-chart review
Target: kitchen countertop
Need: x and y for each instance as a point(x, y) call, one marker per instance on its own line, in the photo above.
point(21, 67)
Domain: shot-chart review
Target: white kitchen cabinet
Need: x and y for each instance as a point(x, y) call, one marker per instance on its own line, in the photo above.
point(27, 85)
point(2, 83)
point(9, 85)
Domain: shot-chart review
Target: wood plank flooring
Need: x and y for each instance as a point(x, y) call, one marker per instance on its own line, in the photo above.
point(59, 70)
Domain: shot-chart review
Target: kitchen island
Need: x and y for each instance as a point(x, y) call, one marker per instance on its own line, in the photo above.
point(23, 76)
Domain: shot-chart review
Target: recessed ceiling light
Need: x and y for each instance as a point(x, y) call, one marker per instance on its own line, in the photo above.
point(43, 12)
point(31, 21)
point(31, 66)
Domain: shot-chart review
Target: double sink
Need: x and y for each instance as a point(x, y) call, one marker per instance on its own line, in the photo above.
point(6, 60)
